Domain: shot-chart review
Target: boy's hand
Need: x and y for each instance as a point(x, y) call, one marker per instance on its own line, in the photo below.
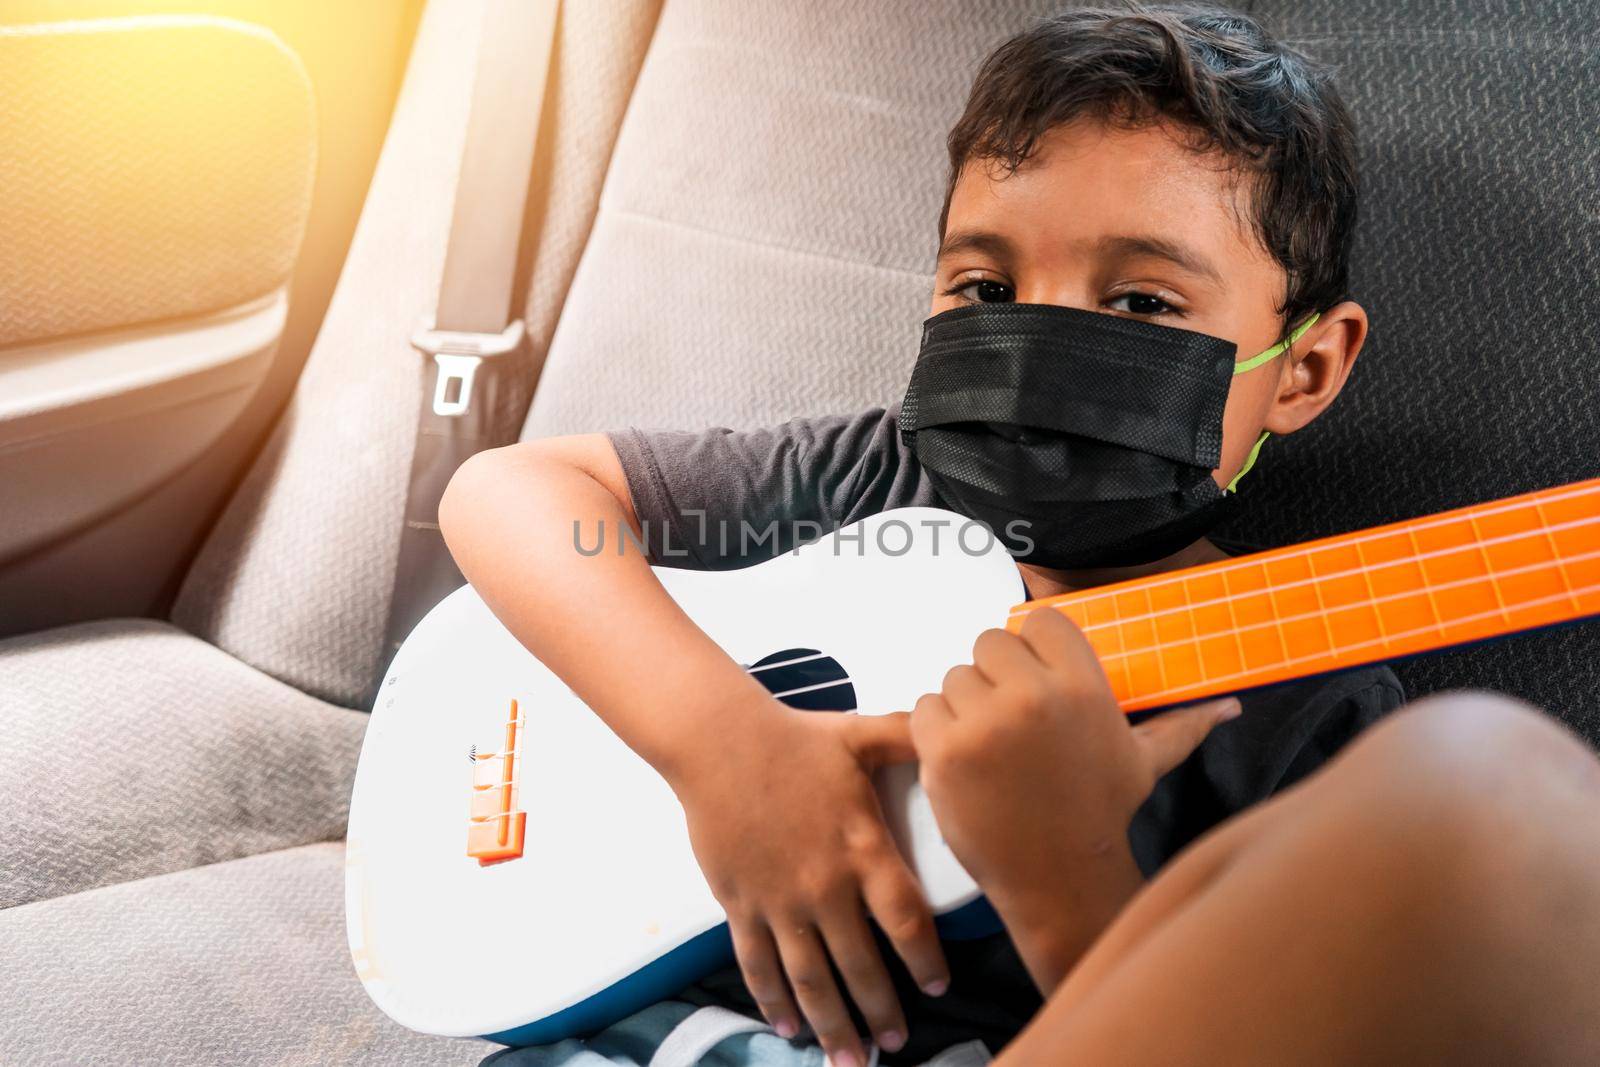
point(792, 840)
point(1034, 773)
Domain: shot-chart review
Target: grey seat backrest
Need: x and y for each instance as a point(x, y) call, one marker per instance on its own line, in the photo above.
point(764, 248)
point(765, 241)
point(1477, 255)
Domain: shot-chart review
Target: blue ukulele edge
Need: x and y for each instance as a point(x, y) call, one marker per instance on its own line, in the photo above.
point(688, 963)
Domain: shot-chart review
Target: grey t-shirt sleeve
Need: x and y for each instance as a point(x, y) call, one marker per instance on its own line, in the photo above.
point(719, 498)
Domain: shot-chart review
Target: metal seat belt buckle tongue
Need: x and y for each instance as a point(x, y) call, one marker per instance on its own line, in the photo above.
point(458, 354)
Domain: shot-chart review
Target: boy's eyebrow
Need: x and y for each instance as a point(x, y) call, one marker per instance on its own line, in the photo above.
point(1001, 248)
point(1161, 248)
point(994, 244)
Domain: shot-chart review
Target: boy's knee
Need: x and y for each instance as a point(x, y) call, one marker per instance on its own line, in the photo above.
point(1466, 859)
point(1469, 748)
point(1480, 799)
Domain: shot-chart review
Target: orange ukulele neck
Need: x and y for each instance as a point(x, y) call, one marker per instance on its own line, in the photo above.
point(1364, 597)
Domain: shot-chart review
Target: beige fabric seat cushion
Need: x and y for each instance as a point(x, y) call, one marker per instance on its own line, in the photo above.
point(129, 748)
point(237, 963)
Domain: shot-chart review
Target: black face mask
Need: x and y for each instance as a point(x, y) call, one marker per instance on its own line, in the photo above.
point(1081, 439)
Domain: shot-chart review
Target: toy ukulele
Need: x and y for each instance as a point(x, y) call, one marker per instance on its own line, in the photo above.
point(515, 871)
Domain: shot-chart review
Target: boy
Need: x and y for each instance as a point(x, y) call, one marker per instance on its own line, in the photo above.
point(1128, 189)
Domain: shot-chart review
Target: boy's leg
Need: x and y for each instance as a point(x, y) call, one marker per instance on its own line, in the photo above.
point(1432, 895)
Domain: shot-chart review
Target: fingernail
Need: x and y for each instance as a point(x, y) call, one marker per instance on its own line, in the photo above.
point(844, 1058)
point(892, 1040)
point(1232, 711)
point(936, 988)
point(786, 1028)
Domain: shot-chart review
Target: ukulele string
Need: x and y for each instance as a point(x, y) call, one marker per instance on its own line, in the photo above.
point(758, 668)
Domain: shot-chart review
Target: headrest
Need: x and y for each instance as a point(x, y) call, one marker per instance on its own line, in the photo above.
point(150, 168)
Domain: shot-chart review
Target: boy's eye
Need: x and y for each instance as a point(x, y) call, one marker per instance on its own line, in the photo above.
point(988, 292)
point(1140, 304)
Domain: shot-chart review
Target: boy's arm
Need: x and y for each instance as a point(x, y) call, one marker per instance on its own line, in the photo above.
point(762, 784)
point(508, 517)
point(1054, 924)
point(1034, 775)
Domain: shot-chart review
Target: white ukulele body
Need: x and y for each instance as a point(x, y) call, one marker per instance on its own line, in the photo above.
point(605, 910)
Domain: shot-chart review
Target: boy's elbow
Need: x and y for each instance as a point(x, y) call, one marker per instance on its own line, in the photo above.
point(542, 472)
point(472, 489)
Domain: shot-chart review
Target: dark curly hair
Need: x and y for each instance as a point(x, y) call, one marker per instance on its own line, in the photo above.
point(1272, 110)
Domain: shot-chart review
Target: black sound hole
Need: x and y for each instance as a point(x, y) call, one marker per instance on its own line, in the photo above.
point(804, 678)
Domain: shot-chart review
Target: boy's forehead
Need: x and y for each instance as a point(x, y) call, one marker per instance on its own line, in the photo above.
point(1089, 185)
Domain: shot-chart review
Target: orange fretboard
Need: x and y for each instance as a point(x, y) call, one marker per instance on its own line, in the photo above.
point(1398, 590)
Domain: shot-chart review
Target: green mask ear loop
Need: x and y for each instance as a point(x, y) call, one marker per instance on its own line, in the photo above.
point(1251, 364)
point(1278, 349)
point(1249, 461)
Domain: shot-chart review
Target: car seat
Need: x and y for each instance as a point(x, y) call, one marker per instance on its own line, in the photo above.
point(761, 246)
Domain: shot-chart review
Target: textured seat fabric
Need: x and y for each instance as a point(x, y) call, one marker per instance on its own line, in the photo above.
point(237, 963)
point(765, 239)
point(735, 277)
point(296, 578)
point(131, 748)
point(201, 133)
point(1480, 215)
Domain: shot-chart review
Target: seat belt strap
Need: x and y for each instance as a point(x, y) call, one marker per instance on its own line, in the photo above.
point(473, 339)
point(480, 261)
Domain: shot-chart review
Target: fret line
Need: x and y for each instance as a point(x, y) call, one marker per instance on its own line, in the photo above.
point(1488, 567)
point(1272, 605)
point(1233, 622)
point(1322, 608)
point(1194, 632)
point(1555, 552)
point(1427, 583)
point(1161, 661)
point(1372, 596)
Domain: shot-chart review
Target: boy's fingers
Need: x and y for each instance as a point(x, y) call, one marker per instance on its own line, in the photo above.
point(1057, 641)
point(758, 961)
point(895, 899)
point(1168, 739)
point(882, 739)
point(999, 654)
point(930, 718)
point(931, 711)
point(806, 964)
point(967, 689)
point(856, 954)
point(1071, 661)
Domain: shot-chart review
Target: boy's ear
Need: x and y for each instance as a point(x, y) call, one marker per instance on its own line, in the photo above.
point(1317, 367)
